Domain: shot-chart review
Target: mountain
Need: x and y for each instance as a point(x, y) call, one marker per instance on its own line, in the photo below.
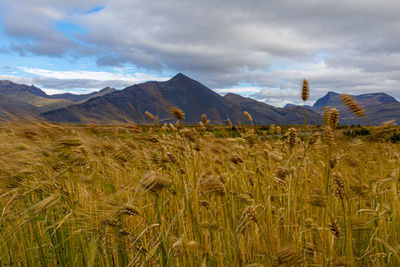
point(31, 95)
point(293, 105)
point(195, 99)
point(38, 98)
point(110, 106)
point(365, 100)
point(79, 98)
point(130, 104)
point(263, 113)
point(379, 107)
point(14, 110)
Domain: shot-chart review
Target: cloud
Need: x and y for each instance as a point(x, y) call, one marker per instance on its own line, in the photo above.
point(79, 81)
point(349, 46)
point(243, 90)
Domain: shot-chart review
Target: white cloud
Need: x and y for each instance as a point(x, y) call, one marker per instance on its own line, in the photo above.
point(245, 90)
point(93, 75)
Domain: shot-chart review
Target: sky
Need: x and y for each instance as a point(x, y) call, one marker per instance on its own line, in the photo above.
point(256, 48)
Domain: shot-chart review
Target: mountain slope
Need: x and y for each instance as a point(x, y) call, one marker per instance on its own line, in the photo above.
point(129, 105)
point(44, 102)
point(83, 97)
point(195, 99)
point(14, 110)
point(366, 100)
point(379, 107)
point(31, 95)
point(263, 113)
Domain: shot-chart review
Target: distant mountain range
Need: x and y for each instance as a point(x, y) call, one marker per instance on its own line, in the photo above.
point(110, 106)
point(42, 101)
point(379, 108)
point(195, 99)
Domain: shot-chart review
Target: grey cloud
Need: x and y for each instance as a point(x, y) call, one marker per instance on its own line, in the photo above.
point(225, 43)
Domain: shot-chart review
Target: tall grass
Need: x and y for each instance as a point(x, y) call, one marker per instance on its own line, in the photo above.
point(151, 196)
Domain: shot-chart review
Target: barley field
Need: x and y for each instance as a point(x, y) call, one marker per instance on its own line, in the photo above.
point(198, 196)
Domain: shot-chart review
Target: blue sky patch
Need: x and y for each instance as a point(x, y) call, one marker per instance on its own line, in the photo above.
point(95, 9)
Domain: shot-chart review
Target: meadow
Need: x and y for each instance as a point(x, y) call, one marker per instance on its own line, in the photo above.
point(198, 196)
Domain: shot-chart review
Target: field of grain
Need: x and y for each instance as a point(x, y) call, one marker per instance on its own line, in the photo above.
point(197, 196)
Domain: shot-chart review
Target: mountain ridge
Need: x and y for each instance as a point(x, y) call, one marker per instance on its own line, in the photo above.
point(40, 99)
point(194, 98)
point(111, 106)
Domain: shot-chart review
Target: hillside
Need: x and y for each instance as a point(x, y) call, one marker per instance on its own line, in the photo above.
point(195, 99)
point(379, 107)
point(44, 102)
point(263, 113)
point(14, 110)
point(129, 105)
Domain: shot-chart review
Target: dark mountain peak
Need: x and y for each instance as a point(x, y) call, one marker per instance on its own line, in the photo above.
point(326, 100)
point(180, 77)
point(331, 93)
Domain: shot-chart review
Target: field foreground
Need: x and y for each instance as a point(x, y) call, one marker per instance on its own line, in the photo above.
point(148, 196)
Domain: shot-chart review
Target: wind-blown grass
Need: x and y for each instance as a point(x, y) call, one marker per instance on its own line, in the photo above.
point(148, 196)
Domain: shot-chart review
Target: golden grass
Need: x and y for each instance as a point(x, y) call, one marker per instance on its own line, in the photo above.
point(149, 196)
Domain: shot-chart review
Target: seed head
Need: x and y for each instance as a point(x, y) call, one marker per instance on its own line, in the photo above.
point(130, 210)
point(212, 184)
point(251, 137)
point(178, 113)
point(248, 116)
point(339, 186)
point(335, 229)
point(334, 118)
point(292, 137)
point(149, 115)
point(289, 255)
point(229, 123)
point(281, 172)
point(353, 105)
point(236, 159)
point(327, 116)
point(329, 137)
point(154, 182)
point(306, 90)
point(204, 120)
point(313, 138)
